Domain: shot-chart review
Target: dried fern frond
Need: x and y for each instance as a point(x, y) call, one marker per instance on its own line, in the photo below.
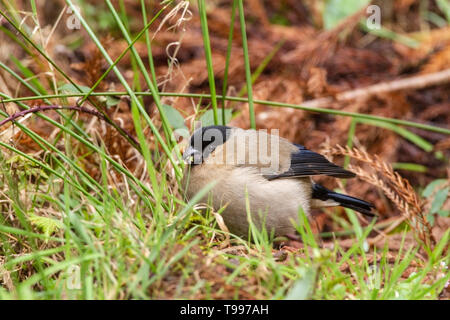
point(394, 186)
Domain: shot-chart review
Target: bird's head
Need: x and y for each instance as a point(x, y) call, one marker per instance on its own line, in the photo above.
point(204, 141)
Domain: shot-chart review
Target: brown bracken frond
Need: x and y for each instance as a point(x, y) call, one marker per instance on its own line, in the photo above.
point(395, 187)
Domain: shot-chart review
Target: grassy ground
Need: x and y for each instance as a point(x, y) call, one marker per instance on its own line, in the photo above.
point(90, 201)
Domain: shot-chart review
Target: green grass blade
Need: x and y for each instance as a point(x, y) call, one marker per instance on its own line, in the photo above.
point(208, 57)
point(276, 104)
point(227, 60)
point(149, 42)
point(248, 74)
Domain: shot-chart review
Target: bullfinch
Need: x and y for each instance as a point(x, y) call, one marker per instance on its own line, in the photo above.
point(262, 171)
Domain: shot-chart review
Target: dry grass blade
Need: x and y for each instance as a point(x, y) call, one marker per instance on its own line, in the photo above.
point(395, 187)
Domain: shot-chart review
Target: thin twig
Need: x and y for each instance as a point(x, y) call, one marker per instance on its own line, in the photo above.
point(416, 82)
point(51, 107)
point(56, 107)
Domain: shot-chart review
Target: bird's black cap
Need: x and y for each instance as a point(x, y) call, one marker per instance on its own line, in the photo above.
point(204, 141)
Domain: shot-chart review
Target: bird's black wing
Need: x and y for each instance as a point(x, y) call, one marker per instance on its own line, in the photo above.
point(305, 163)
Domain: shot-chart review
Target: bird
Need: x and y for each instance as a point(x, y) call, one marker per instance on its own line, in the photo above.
point(263, 172)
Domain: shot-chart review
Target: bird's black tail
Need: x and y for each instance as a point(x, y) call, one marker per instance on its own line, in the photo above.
point(322, 193)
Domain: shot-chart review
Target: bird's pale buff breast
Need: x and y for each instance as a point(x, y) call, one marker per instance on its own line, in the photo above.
point(272, 203)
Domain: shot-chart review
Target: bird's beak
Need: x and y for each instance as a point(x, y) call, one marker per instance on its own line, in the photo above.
point(192, 156)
